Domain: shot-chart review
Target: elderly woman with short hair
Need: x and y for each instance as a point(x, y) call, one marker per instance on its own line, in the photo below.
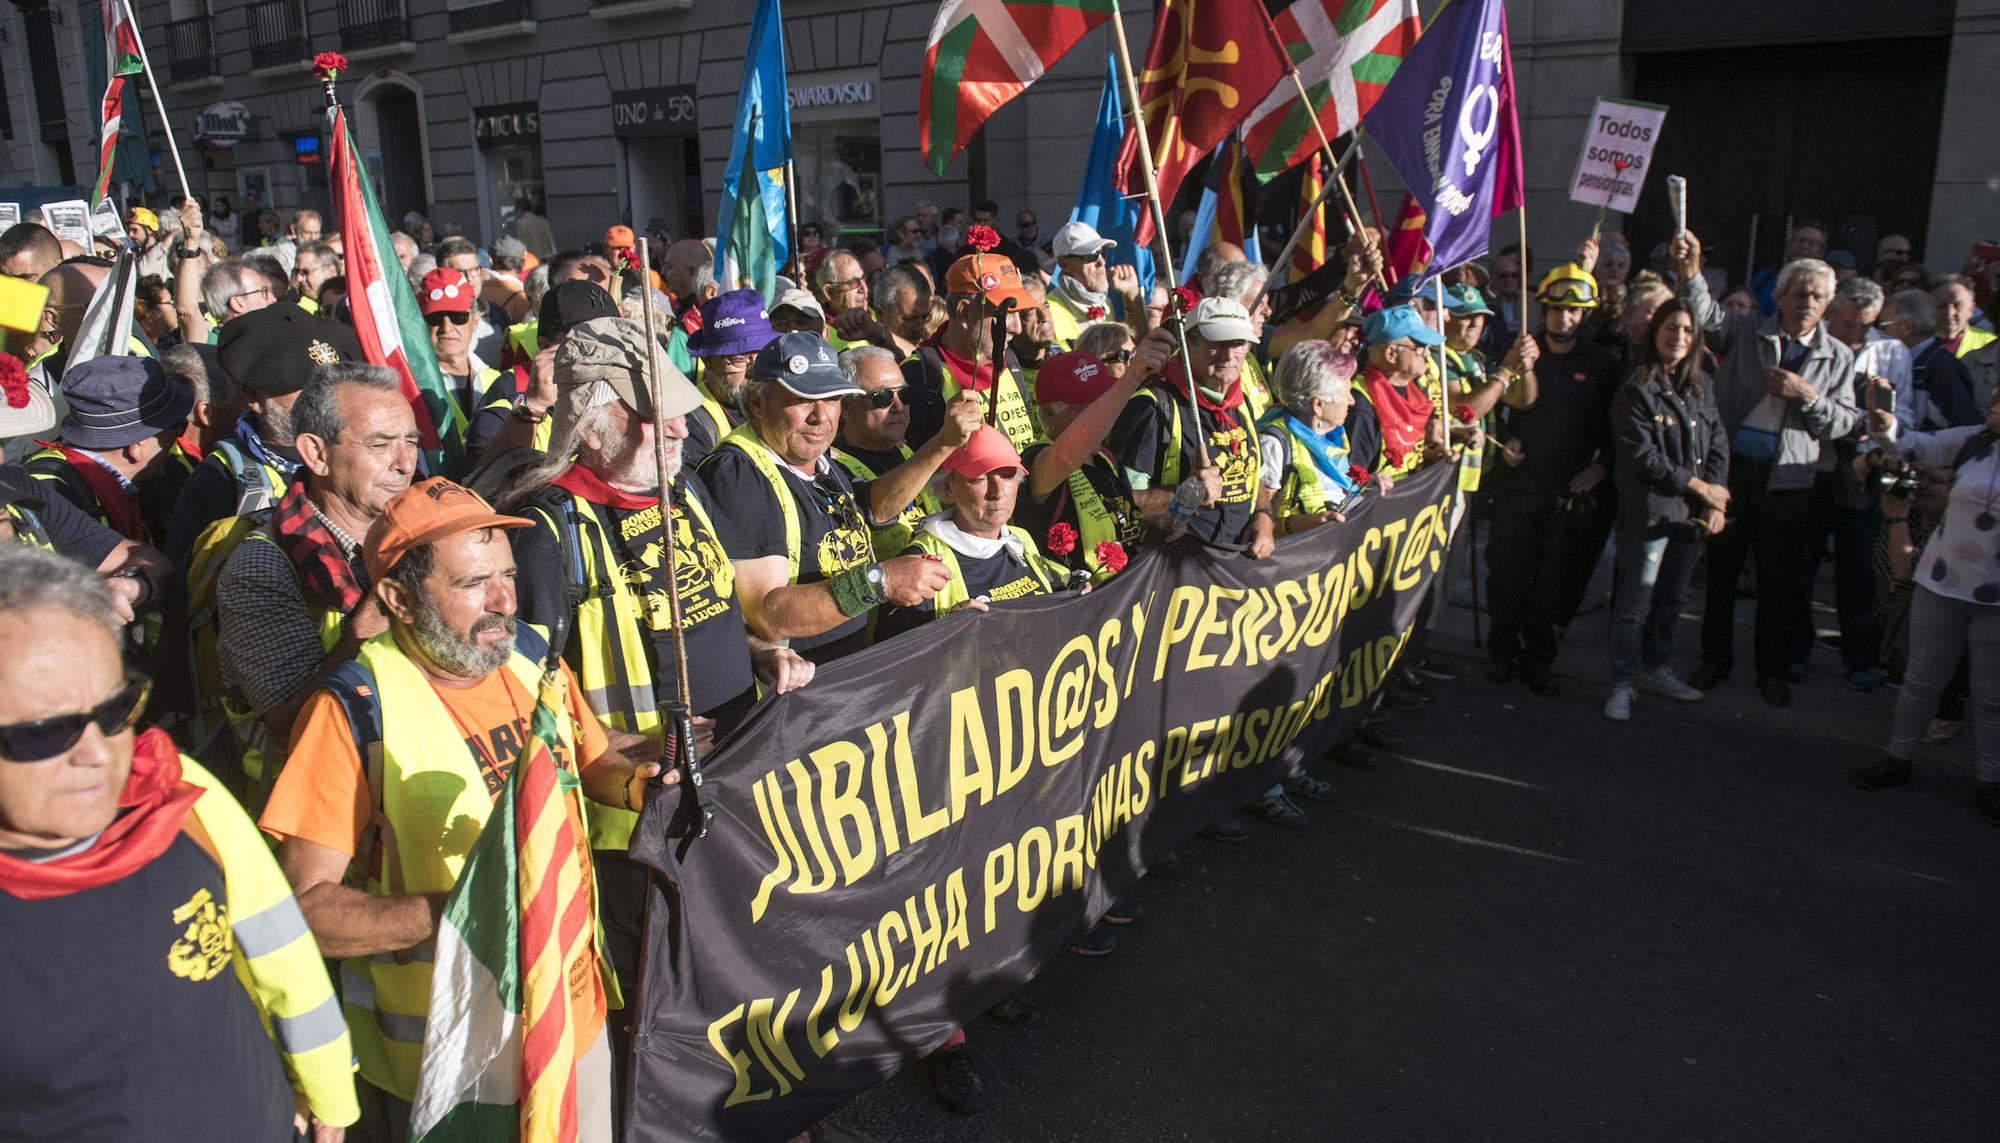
point(1302, 442)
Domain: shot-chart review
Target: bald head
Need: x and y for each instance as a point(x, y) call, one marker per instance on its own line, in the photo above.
point(686, 261)
point(71, 287)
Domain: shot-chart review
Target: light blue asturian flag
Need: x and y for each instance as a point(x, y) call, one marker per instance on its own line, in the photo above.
point(1098, 203)
point(752, 230)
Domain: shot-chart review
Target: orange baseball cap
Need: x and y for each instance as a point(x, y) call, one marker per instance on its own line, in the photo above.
point(619, 237)
point(425, 513)
point(993, 275)
point(988, 450)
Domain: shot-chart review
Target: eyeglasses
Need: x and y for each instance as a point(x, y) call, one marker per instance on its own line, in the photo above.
point(851, 284)
point(251, 293)
point(454, 318)
point(887, 396)
point(44, 738)
point(1122, 357)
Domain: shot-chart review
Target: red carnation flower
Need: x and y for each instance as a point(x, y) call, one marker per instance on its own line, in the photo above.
point(1094, 313)
point(982, 238)
point(1111, 556)
point(1358, 474)
point(14, 381)
point(1465, 414)
point(329, 65)
point(691, 321)
point(1061, 539)
point(1185, 299)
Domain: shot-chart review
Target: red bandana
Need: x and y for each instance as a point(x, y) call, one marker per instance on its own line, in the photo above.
point(154, 803)
point(588, 485)
point(190, 446)
point(1176, 377)
point(1402, 413)
point(961, 369)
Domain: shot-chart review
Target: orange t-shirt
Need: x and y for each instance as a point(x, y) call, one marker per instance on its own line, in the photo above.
point(321, 795)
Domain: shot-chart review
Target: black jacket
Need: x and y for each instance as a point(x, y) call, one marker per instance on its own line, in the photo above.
point(1661, 439)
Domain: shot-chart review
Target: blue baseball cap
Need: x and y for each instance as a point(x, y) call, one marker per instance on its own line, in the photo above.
point(805, 364)
point(1409, 288)
point(1386, 325)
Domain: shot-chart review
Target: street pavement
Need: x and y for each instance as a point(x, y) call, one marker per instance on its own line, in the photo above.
point(1532, 923)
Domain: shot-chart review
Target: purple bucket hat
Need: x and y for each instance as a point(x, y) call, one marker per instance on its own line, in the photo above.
point(735, 322)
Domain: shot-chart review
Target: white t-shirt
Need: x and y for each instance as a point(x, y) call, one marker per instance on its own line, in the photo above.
point(1962, 559)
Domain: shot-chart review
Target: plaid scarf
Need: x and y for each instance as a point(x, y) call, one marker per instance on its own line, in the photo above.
point(316, 552)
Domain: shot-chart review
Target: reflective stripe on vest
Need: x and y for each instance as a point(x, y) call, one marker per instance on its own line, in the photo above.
point(435, 802)
point(28, 527)
point(954, 592)
point(1094, 523)
point(744, 439)
point(1300, 492)
point(891, 538)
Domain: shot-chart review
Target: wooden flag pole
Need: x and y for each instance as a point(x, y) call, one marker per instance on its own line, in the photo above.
point(1138, 114)
point(1298, 232)
point(1312, 114)
point(159, 105)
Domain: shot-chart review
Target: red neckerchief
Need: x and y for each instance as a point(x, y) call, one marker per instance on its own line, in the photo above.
point(587, 484)
point(155, 802)
point(189, 447)
point(120, 506)
point(1402, 413)
point(1176, 379)
point(321, 562)
point(961, 369)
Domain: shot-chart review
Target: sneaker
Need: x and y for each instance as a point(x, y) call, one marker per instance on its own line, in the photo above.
point(1012, 1010)
point(1796, 673)
point(1378, 735)
point(1408, 680)
point(1168, 868)
point(1864, 680)
point(1986, 799)
point(1279, 811)
point(956, 1082)
point(1663, 682)
point(1227, 830)
point(1707, 677)
point(1773, 690)
point(1618, 708)
point(1350, 753)
point(1125, 913)
point(1882, 774)
point(1438, 669)
point(1099, 941)
point(1941, 731)
point(1396, 698)
point(1304, 785)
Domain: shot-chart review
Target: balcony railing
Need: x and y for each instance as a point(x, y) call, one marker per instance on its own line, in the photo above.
point(191, 51)
point(471, 17)
point(277, 33)
point(373, 23)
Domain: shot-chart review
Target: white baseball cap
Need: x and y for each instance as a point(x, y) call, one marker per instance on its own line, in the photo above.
point(802, 301)
point(1079, 238)
point(1222, 319)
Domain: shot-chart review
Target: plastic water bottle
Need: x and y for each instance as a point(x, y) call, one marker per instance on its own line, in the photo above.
point(1187, 501)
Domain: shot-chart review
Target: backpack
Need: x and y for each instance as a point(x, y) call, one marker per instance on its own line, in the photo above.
point(208, 727)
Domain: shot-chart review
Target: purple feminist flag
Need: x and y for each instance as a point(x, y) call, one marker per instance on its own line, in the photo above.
point(1446, 121)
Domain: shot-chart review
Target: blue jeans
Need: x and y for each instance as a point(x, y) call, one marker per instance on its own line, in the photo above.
point(1646, 603)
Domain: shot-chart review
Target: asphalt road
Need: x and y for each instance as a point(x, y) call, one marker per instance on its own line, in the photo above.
point(1536, 924)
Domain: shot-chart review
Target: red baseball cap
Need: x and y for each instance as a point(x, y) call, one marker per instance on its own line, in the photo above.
point(988, 450)
point(445, 291)
point(424, 513)
point(619, 237)
point(1072, 378)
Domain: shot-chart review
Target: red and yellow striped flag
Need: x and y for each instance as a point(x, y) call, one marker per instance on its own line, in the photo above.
point(562, 994)
point(1406, 249)
point(1310, 253)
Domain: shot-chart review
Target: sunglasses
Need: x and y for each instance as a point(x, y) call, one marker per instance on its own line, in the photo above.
point(439, 319)
point(45, 738)
point(893, 394)
point(1122, 357)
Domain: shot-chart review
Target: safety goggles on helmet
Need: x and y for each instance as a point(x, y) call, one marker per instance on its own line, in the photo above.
point(1569, 287)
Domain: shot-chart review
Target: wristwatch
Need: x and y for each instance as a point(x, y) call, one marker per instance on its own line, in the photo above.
point(528, 414)
point(877, 584)
point(183, 253)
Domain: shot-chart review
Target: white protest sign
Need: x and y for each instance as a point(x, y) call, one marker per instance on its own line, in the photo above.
point(70, 219)
point(105, 220)
point(1617, 150)
point(10, 213)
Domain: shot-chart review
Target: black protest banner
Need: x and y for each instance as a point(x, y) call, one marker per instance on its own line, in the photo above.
point(921, 829)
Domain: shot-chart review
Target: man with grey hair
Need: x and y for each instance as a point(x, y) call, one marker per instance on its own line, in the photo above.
point(234, 287)
point(1785, 391)
point(313, 265)
point(874, 429)
point(1940, 392)
point(1243, 282)
point(405, 247)
point(293, 602)
point(841, 286)
point(1081, 294)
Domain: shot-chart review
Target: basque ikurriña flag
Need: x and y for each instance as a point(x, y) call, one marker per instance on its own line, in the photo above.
point(1447, 124)
point(386, 319)
point(121, 58)
point(983, 53)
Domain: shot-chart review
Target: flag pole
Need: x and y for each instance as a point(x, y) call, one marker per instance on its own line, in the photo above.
point(1299, 231)
point(1159, 209)
point(159, 105)
point(792, 221)
point(676, 713)
point(1312, 114)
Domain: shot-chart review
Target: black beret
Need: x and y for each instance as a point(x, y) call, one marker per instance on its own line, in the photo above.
point(273, 350)
point(569, 304)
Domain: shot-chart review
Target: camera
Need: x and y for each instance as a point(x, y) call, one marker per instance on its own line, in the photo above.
point(1900, 483)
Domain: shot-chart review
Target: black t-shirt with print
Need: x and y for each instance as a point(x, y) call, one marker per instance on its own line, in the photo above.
point(1109, 484)
point(832, 510)
point(720, 680)
point(996, 579)
point(1139, 441)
